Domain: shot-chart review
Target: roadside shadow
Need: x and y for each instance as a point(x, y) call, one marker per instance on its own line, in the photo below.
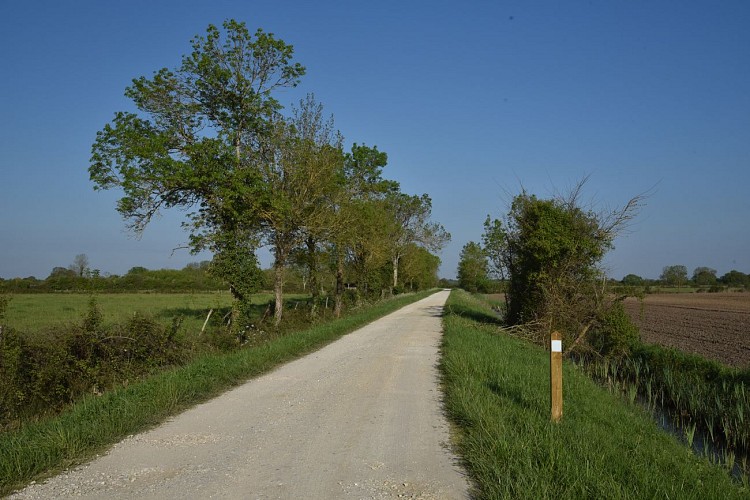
point(486, 317)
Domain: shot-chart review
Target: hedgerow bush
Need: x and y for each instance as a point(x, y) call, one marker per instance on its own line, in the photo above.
point(42, 372)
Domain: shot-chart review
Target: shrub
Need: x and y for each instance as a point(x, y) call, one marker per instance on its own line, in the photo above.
point(45, 371)
point(11, 357)
point(616, 334)
point(3, 307)
point(551, 251)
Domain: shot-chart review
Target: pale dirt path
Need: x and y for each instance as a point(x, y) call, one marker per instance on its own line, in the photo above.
point(360, 418)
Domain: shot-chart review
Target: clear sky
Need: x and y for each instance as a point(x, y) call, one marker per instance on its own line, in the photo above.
point(471, 100)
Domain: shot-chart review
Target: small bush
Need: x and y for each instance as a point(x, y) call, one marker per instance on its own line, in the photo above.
point(617, 335)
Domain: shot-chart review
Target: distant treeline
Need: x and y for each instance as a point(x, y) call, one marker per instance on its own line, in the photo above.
point(193, 277)
point(733, 280)
point(677, 276)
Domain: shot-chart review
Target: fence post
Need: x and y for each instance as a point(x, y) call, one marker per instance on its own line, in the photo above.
point(556, 376)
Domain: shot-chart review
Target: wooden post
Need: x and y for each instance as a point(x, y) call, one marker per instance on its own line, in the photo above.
point(206, 322)
point(556, 376)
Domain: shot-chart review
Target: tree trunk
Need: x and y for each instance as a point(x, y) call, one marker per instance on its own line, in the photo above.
point(395, 271)
point(339, 295)
point(312, 262)
point(278, 284)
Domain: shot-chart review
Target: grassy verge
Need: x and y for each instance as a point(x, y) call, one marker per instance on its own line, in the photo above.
point(95, 423)
point(497, 392)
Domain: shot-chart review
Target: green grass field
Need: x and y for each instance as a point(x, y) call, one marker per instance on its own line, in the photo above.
point(32, 312)
point(497, 394)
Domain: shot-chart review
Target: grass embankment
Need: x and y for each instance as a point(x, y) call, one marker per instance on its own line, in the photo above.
point(497, 392)
point(97, 422)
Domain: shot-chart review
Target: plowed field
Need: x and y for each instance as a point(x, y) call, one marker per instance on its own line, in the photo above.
point(713, 325)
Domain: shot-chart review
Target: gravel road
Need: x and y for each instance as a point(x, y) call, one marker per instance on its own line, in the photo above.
point(360, 418)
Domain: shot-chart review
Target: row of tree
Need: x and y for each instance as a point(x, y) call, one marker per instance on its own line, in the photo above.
point(417, 271)
point(192, 278)
point(677, 275)
point(475, 275)
point(210, 137)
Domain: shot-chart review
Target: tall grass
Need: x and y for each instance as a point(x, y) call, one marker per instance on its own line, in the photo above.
point(497, 392)
point(699, 394)
point(95, 423)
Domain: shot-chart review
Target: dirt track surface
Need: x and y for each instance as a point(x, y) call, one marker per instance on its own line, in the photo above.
point(712, 325)
point(360, 418)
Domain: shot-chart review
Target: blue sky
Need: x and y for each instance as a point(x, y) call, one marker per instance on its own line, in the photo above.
point(471, 100)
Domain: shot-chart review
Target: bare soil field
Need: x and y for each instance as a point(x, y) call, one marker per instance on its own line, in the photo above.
point(713, 325)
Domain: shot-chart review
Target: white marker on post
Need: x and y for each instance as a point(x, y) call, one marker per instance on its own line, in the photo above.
point(556, 376)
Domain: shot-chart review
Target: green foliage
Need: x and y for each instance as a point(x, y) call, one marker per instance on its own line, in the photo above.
point(201, 139)
point(193, 278)
point(550, 250)
point(632, 280)
point(3, 307)
point(92, 321)
point(615, 335)
point(472, 268)
point(237, 265)
point(494, 241)
point(409, 218)
point(363, 170)
point(736, 278)
point(209, 136)
point(704, 276)
point(418, 268)
point(553, 247)
point(676, 275)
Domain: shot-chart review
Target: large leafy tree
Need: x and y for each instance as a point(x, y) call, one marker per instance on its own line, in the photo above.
point(494, 240)
point(472, 268)
point(676, 275)
point(419, 268)
point(410, 224)
point(198, 140)
point(704, 276)
point(356, 229)
point(299, 180)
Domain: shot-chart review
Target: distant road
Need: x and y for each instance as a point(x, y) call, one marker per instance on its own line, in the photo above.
point(360, 418)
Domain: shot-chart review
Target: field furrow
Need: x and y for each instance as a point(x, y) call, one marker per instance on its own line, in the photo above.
point(716, 326)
